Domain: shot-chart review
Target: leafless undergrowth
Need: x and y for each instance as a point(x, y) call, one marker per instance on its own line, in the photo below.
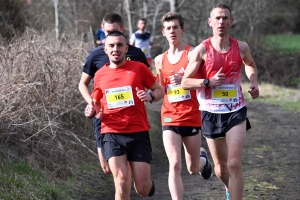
point(41, 109)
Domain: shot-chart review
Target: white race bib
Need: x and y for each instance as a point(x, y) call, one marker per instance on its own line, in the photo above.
point(119, 97)
point(176, 93)
point(225, 94)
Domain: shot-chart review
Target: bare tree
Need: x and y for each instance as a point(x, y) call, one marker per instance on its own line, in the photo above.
point(145, 8)
point(175, 5)
point(56, 18)
point(127, 7)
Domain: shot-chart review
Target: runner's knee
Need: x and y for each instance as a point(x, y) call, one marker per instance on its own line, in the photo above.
point(143, 188)
point(234, 165)
point(175, 166)
point(121, 185)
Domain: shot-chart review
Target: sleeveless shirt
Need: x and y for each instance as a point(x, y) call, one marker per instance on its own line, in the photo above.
point(227, 97)
point(184, 112)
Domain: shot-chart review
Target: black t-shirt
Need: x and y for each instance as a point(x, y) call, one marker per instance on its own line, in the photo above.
point(97, 58)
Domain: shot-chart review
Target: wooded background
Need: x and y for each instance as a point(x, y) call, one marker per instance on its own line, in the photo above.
point(43, 46)
point(251, 18)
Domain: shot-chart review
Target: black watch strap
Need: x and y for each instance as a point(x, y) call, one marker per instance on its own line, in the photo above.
point(151, 95)
point(206, 82)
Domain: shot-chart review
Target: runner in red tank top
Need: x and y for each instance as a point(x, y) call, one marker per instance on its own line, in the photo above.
point(180, 114)
point(218, 60)
point(180, 107)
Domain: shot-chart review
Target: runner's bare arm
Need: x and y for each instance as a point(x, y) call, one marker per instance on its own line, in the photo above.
point(158, 91)
point(155, 95)
point(250, 68)
point(131, 39)
point(159, 75)
point(191, 50)
point(83, 87)
point(195, 60)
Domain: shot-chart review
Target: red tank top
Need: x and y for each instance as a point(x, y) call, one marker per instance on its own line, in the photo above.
point(180, 108)
point(212, 99)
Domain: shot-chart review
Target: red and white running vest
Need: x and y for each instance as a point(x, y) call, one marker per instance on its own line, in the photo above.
point(227, 97)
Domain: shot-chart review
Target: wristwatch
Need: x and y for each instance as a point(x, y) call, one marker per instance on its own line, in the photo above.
point(151, 95)
point(206, 82)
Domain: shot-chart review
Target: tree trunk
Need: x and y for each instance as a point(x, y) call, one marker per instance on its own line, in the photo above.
point(154, 19)
point(56, 18)
point(172, 5)
point(145, 8)
point(127, 6)
point(175, 5)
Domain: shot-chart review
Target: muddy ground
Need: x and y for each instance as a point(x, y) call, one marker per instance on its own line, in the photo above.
point(271, 161)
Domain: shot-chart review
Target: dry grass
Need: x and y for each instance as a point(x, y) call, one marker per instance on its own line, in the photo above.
point(287, 98)
point(41, 108)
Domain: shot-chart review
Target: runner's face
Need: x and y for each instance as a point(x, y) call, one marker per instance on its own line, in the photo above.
point(220, 21)
point(141, 25)
point(107, 28)
point(116, 48)
point(172, 31)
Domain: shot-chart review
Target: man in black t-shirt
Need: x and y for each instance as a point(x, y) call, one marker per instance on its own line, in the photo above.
point(96, 59)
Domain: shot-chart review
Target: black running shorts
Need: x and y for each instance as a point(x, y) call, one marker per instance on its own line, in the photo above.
point(184, 131)
point(217, 125)
point(136, 146)
point(97, 131)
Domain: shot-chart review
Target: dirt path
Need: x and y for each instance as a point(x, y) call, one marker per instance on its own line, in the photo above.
point(271, 161)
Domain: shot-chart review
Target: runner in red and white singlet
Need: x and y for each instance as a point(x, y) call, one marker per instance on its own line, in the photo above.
point(229, 96)
point(218, 62)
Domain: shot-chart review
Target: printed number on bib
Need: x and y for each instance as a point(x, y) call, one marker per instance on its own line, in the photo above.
point(176, 93)
point(225, 94)
point(119, 97)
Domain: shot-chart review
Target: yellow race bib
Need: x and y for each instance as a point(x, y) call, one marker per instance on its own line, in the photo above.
point(176, 93)
point(119, 97)
point(225, 94)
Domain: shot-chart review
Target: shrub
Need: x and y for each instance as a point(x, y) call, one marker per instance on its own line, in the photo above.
point(41, 109)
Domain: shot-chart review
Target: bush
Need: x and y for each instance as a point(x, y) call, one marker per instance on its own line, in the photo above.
point(274, 65)
point(41, 110)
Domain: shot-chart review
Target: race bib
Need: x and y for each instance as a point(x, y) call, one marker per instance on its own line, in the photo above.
point(176, 93)
point(119, 97)
point(225, 94)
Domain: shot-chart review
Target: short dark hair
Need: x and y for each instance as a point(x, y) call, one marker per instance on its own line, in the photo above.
point(143, 19)
point(113, 18)
point(171, 16)
point(116, 33)
point(221, 5)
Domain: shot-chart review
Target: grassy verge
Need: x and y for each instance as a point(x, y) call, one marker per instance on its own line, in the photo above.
point(284, 97)
point(19, 181)
point(284, 43)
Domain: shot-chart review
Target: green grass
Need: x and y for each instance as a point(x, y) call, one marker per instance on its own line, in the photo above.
point(286, 98)
point(283, 43)
point(18, 181)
